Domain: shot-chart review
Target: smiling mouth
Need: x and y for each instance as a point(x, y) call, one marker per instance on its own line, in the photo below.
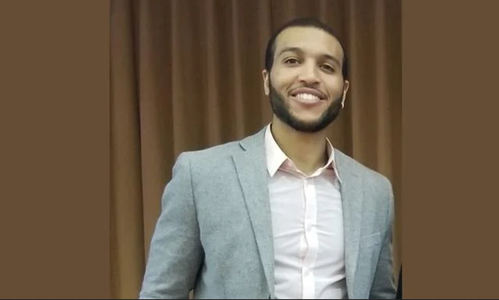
point(305, 93)
point(305, 96)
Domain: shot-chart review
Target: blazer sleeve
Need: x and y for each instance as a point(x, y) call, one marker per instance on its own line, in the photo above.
point(383, 286)
point(175, 254)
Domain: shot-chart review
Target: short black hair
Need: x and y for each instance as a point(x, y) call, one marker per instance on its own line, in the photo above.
point(302, 22)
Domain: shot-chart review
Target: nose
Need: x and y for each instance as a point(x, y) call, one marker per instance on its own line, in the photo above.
point(308, 74)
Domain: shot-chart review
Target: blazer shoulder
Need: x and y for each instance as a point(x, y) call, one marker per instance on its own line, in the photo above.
point(218, 153)
point(370, 175)
point(209, 158)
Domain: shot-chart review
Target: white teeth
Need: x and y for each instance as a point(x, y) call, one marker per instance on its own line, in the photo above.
point(307, 96)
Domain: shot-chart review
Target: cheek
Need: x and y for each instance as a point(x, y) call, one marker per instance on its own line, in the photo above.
point(335, 88)
point(283, 79)
point(281, 89)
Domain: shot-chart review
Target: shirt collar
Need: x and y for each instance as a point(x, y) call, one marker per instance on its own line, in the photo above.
point(276, 157)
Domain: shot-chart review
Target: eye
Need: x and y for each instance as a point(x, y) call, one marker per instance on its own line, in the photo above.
point(328, 68)
point(291, 61)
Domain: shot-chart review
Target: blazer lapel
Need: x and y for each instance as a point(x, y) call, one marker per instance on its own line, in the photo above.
point(252, 173)
point(352, 197)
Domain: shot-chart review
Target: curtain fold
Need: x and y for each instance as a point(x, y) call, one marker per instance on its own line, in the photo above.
point(127, 218)
point(186, 75)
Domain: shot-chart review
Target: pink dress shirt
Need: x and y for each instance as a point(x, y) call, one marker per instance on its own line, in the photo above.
point(307, 220)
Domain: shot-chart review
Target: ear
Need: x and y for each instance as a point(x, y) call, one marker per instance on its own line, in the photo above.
point(265, 76)
point(345, 91)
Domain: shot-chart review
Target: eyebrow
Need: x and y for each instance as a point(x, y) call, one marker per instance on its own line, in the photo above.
point(299, 50)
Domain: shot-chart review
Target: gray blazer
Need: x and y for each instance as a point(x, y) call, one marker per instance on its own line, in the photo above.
point(214, 233)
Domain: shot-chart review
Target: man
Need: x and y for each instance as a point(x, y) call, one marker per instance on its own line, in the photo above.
point(281, 213)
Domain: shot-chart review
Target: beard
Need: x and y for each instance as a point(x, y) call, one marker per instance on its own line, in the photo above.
point(282, 111)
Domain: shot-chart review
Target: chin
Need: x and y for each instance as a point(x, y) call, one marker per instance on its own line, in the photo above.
point(308, 118)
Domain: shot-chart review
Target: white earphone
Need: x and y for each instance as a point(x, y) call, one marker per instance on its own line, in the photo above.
point(343, 100)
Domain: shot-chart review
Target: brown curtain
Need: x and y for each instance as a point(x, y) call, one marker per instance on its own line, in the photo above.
point(186, 74)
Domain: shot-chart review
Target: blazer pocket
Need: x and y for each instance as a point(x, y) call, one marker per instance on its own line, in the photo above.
point(370, 240)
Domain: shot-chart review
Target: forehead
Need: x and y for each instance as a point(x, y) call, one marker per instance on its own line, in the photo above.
point(310, 40)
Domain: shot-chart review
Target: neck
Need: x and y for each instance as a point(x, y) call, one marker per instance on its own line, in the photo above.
point(307, 150)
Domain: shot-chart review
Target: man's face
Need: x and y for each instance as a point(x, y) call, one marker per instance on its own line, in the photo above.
point(306, 85)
